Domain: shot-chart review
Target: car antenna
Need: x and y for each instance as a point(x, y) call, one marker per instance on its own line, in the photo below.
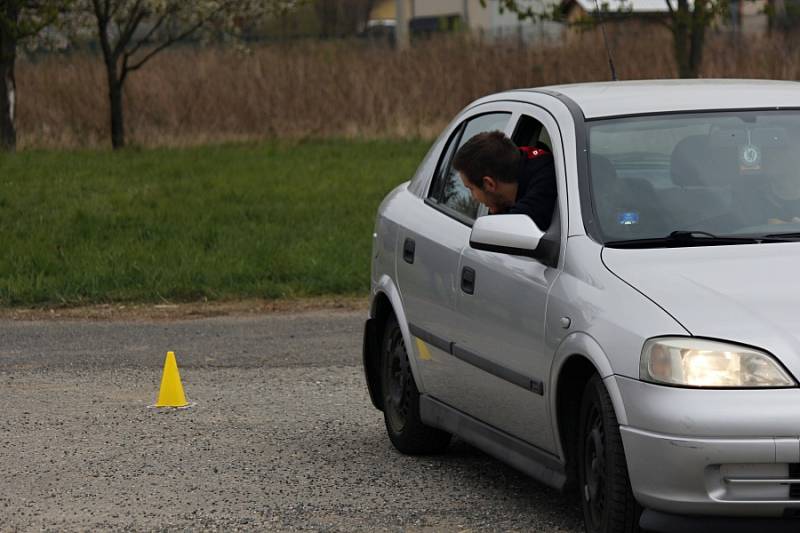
point(605, 40)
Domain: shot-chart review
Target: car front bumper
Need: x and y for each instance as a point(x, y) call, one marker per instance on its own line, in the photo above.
point(696, 452)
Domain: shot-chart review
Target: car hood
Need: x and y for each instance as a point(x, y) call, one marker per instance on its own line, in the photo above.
point(748, 294)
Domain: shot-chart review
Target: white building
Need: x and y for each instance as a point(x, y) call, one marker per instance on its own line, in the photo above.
point(489, 20)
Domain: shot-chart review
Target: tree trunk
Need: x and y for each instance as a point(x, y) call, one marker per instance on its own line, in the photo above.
point(700, 19)
point(117, 117)
point(114, 76)
point(688, 37)
point(696, 53)
point(8, 96)
point(777, 15)
point(8, 87)
point(327, 13)
point(115, 82)
point(680, 39)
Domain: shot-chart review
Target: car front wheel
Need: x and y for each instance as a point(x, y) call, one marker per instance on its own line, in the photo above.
point(401, 399)
point(605, 488)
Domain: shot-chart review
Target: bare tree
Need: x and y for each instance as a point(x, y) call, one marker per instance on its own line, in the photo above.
point(328, 15)
point(338, 18)
point(132, 32)
point(688, 25)
point(20, 20)
point(784, 16)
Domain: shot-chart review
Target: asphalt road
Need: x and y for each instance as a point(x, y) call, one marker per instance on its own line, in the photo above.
point(282, 436)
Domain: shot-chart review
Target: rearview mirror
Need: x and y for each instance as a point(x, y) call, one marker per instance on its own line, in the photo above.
point(506, 234)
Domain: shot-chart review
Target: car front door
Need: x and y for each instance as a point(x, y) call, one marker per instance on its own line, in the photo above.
point(429, 249)
point(503, 363)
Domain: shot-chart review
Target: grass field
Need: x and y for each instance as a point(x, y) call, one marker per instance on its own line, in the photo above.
point(263, 220)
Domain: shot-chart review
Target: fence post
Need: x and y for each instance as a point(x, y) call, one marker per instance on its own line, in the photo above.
point(401, 25)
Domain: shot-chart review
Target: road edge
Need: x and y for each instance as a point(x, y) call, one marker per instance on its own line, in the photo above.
point(187, 310)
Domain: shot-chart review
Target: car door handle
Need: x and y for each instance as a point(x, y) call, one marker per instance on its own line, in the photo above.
point(468, 280)
point(408, 251)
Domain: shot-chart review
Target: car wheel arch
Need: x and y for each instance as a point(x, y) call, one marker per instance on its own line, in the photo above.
point(578, 358)
point(386, 302)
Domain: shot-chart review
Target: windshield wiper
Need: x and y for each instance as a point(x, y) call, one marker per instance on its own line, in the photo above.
point(786, 236)
point(678, 239)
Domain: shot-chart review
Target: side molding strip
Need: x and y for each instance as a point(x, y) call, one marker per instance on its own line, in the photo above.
point(532, 384)
point(540, 465)
point(431, 339)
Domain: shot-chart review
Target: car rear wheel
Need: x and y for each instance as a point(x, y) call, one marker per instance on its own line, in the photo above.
point(605, 488)
point(401, 399)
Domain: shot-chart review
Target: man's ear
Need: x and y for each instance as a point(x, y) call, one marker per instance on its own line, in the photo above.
point(489, 184)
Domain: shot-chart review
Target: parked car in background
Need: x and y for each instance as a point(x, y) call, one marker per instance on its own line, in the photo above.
point(643, 351)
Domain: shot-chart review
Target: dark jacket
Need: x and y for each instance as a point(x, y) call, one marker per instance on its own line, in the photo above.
point(536, 192)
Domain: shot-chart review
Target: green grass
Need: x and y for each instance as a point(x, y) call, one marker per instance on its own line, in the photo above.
point(268, 221)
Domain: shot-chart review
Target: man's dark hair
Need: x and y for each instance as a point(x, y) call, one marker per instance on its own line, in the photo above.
point(488, 154)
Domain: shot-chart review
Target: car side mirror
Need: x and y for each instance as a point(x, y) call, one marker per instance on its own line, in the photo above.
point(506, 234)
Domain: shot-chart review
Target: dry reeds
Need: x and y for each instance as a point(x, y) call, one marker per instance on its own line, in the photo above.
point(344, 89)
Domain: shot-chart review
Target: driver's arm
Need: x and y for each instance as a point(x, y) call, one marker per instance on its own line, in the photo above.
point(540, 199)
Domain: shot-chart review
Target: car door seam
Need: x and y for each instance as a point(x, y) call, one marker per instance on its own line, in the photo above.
point(529, 383)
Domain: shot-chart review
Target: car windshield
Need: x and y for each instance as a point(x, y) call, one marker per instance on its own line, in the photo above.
point(702, 174)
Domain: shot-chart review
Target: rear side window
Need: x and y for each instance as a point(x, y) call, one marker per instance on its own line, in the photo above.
point(447, 191)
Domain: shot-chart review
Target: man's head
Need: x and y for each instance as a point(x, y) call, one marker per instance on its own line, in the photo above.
point(488, 164)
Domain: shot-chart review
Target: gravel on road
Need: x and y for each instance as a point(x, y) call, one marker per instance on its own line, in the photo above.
point(282, 436)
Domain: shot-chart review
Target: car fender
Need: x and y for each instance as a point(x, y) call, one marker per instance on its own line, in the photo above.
point(388, 287)
point(582, 344)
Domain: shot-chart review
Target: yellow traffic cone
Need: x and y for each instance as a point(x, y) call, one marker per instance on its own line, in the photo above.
point(171, 393)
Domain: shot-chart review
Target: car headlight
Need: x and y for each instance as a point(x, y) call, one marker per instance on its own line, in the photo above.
point(690, 362)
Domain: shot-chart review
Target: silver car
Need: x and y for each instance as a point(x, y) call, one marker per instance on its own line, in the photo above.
point(643, 351)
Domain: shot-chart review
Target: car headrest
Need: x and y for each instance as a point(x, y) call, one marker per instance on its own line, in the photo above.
point(604, 174)
point(688, 161)
point(695, 162)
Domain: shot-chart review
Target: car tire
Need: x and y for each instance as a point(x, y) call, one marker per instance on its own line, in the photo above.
point(401, 399)
point(604, 486)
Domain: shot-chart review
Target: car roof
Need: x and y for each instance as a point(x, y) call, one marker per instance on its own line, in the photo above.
point(609, 99)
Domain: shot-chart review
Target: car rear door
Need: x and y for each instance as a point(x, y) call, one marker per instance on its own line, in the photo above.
point(503, 364)
point(428, 252)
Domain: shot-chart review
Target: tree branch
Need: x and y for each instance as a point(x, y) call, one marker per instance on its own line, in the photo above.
point(160, 48)
point(127, 57)
point(101, 14)
point(140, 42)
point(135, 17)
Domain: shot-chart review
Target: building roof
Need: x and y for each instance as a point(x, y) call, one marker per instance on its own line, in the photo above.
point(607, 99)
point(633, 6)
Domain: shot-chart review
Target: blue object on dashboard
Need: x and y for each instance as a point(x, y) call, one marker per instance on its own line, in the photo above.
point(628, 218)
